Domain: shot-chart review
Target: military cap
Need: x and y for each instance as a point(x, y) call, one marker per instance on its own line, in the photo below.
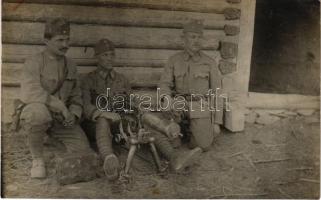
point(57, 26)
point(195, 26)
point(103, 45)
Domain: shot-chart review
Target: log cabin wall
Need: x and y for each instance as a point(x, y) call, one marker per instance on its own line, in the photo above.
point(146, 33)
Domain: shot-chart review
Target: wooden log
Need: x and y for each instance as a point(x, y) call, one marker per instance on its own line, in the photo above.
point(232, 13)
point(228, 50)
point(83, 56)
point(111, 16)
point(208, 6)
point(72, 168)
point(227, 67)
point(138, 76)
point(231, 30)
point(282, 101)
point(130, 37)
point(233, 1)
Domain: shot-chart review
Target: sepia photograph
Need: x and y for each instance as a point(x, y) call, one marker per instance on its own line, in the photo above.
point(160, 99)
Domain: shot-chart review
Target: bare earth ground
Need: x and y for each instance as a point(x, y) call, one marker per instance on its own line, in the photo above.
point(280, 160)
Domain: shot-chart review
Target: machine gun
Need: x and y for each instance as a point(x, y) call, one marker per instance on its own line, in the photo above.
point(134, 140)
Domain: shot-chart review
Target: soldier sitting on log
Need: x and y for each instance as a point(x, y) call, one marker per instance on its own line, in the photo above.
point(51, 96)
point(101, 122)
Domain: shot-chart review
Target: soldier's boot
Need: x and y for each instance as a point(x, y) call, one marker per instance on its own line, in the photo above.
point(178, 160)
point(35, 143)
point(104, 142)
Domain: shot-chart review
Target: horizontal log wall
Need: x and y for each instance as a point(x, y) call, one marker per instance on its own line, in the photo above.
point(207, 6)
point(145, 32)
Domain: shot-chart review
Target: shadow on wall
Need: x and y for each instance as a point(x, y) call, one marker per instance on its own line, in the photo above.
point(286, 47)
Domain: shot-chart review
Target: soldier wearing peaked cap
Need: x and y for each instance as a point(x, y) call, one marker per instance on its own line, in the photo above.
point(193, 72)
point(52, 97)
point(98, 124)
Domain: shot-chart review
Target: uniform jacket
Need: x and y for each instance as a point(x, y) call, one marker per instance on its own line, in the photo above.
point(186, 74)
point(41, 78)
point(96, 83)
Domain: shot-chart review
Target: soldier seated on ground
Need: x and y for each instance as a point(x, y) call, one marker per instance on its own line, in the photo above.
point(100, 122)
point(51, 96)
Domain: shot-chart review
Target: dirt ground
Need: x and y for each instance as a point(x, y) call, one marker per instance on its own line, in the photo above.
point(280, 160)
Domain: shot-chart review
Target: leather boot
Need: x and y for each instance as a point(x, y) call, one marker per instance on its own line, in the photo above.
point(178, 160)
point(111, 167)
point(104, 142)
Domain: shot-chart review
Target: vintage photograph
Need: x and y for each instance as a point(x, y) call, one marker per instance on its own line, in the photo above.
point(167, 99)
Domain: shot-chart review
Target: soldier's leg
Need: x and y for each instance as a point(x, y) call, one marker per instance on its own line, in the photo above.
point(35, 120)
point(202, 134)
point(101, 129)
point(104, 143)
point(178, 160)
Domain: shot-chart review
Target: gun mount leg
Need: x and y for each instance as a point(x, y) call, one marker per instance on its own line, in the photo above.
point(156, 157)
point(130, 157)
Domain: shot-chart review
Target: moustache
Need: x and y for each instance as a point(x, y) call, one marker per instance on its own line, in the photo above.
point(63, 49)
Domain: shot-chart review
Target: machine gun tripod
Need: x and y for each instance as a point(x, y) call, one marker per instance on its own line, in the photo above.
point(134, 140)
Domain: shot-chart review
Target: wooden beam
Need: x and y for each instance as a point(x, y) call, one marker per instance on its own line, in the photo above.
point(138, 76)
point(207, 6)
point(234, 120)
point(84, 56)
point(130, 37)
point(245, 45)
point(111, 16)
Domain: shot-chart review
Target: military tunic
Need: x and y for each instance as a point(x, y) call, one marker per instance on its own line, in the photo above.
point(96, 83)
point(45, 81)
point(187, 74)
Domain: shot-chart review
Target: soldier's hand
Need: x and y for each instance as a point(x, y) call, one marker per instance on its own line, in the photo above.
point(70, 120)
point(65, 113)
point(113, 117)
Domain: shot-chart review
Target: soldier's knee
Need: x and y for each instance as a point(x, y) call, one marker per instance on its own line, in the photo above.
point(103, 123)
point(202, 135)
point(205, 146)
point(35, 114)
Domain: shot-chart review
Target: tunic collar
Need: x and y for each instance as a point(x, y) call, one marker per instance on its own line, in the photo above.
point(103, 73)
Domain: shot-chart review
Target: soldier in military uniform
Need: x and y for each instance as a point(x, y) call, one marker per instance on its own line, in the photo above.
point(101, 123)
point(52, 97)
point(193, 72)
